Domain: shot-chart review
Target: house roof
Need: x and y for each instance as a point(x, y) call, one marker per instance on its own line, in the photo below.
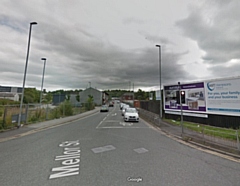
point(90, 88)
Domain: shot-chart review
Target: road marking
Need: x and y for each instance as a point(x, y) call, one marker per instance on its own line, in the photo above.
point(140, 150)
point(114, 121)
point(70, 160)
point(103, 149)
point(114, 114)
point(125, 124)
point(99, 124)
point(124, 127)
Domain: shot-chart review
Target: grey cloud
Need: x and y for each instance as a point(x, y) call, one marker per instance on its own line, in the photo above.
point(133, 21)
point(107, 65)
point(217, 34)
point(156, 39)
point(76, 55)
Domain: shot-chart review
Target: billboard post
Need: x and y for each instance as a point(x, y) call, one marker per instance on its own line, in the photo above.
point(180, 96)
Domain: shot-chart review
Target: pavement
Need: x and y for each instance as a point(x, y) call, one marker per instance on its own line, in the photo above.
point(30, 128)
point(220, 145)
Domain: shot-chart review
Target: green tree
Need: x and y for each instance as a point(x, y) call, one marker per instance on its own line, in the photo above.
point(78, 98)
point(90, 103)
point(48, 97)
point(31, 95)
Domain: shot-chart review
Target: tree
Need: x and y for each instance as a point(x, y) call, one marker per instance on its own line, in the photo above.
point(78, 98)
point(48, 97)
point(90, 102)
point(31, 95)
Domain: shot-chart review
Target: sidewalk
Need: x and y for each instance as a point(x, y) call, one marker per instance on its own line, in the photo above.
point(13, 133)
point(220, 145)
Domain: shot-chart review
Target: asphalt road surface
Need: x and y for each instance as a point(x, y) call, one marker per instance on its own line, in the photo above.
point(103, 150)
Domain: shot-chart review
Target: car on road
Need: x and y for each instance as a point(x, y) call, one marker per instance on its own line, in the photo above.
point(104, 108)
point(111, 104)
point(124, 108)
point(131, 114)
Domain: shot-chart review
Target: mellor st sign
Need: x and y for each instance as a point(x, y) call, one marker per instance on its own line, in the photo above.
point(70, 160)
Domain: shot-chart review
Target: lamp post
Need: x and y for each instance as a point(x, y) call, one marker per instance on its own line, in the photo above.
point(160, 73)
point(25, 72)
point(44, 59)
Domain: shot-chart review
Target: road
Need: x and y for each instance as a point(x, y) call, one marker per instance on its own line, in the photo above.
point(103, 150)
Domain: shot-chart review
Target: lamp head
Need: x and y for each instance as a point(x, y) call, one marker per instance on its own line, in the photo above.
point(33, 23)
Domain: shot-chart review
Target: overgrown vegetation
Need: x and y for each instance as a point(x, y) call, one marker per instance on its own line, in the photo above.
point(140, 94)
point(229, 134)
point(37, 114)
point(90, 103)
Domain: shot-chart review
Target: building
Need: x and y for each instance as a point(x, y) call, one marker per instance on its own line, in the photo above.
point(9, 95)
point(10, 89)
point(99, 97)
point(58, 99)
point(128, 98)
point(73, 99)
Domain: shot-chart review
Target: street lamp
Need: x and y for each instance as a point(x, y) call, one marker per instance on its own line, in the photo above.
point(25, 72)
point(44, 59)
point(160, 73)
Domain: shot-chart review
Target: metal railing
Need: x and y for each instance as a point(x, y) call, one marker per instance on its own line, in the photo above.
point(32, 113)
point(228, 138)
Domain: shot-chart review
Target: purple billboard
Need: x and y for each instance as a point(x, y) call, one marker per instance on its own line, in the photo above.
point(192, 96)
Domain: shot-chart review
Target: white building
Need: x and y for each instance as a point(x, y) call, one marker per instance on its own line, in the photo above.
point(9, 95)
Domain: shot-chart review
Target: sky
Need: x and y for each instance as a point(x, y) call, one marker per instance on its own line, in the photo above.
point(111, 44)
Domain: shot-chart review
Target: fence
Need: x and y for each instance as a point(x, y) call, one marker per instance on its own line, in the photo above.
point(32, 113)
point(221, 137)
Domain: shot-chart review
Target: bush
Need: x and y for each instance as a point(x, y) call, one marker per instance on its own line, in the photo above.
point(55, 113)
point(38, 115)
point(66, 109)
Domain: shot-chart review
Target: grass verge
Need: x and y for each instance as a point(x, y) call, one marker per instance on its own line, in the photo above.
point(229, 134)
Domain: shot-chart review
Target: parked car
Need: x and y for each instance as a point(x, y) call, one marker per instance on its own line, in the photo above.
point(121, 105)
point(124, 108)
point(104, 108)
point(131, 114)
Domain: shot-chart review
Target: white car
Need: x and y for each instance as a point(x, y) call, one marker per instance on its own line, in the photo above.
point(124, 108)
point(121, 105)
point(131, 114)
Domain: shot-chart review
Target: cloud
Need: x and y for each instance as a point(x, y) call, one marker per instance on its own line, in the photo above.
point(216, 30)
point(83, 47)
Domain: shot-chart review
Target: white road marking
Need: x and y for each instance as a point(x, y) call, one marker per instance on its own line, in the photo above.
point(103, 149)
point(70, 160)
point(125, 127)
point(114, 121)
point(125, 124)
point(99, 124)
point(140, 150)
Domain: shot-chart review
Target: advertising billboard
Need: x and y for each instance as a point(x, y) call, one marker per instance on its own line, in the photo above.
point(192, 96)
point(223, 96)
point(219, 96)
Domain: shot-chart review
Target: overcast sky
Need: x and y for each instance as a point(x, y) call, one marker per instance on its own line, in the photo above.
point(111, 43)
